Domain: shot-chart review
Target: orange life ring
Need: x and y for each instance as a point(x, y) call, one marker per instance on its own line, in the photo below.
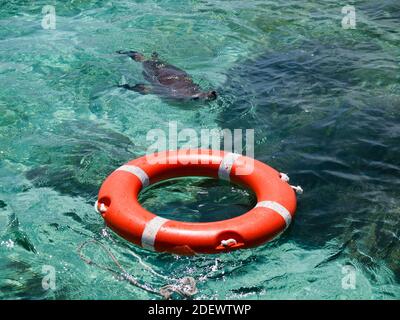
point(119, 206)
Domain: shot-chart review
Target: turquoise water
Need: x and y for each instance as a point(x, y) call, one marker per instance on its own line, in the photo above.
point(324, 103)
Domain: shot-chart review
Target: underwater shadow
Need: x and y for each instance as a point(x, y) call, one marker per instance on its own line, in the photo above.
point(316, 117)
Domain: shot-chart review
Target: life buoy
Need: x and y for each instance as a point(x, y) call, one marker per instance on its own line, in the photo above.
point(118, 202)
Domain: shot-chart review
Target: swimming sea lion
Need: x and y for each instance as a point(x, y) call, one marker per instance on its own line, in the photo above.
point(166, 80)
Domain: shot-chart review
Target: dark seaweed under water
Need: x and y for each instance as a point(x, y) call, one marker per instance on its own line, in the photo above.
point(324, 103)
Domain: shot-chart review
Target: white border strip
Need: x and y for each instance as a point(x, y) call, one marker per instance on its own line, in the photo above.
point(138, 172)
point(225, 167)
point(278, 208)
point(150, 232)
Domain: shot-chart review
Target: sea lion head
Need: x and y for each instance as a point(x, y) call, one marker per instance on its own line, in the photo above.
point(208, 96)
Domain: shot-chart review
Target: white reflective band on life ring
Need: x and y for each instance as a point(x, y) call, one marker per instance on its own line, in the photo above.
point(138, 172)
point(278, 208)
point(150, 232)
point(225, 167)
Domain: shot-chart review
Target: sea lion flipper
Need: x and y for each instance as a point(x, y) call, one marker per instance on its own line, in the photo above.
point(132, 54)
point(140, 88)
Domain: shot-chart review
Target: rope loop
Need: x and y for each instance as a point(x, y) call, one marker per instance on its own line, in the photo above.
point(185, 287)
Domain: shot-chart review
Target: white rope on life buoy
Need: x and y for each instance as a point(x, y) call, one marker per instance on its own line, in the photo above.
point(228, 242)
point(284, 177)
point(298, 189)
point(101, 209)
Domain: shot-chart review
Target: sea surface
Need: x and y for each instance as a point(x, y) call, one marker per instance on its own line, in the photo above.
point(324, 102)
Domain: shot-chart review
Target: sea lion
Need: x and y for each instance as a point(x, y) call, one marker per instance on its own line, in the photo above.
point(166, 80)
